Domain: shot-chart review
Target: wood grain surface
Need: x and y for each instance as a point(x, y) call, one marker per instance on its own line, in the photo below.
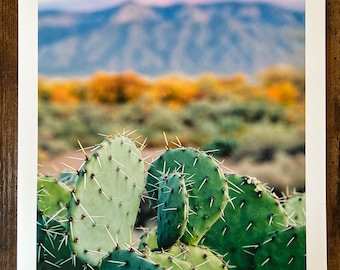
point(8, 132)
point(9, 135)
point(333, 132)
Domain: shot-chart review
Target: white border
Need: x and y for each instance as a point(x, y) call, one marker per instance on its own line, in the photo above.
point(315, 138)
point(316, 134)
point(28, 135)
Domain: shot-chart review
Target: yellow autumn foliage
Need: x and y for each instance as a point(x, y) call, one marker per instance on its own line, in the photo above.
point(284, 94)
point(174, 91)
point(115, 88)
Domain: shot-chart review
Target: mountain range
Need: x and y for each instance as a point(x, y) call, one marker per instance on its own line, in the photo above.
point(223, 38)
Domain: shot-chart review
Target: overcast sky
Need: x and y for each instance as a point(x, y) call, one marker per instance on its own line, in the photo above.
point(89, 5)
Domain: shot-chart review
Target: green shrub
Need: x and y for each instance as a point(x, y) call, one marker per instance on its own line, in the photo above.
point(262, 141)
point(220, 124)
point(223, 147)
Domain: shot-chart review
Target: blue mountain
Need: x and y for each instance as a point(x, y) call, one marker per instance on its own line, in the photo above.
point(223, 38)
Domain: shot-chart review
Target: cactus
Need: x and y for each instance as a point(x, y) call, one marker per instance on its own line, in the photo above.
point(69, 178)
point(130, 259)
point(58, 253)
point(148, 241)
point(40, 238)
point(295, 206)
point(85, 220)
point(285, 249)
point(170, 261)
point(53, 197)
point(200, 257)
point(205, 182)
point(105, 201)
point(181, 256)
point(53, 244)
point(172, 211)
point(252, 214)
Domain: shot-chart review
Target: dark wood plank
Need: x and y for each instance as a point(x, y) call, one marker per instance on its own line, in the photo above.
point(8, 132)
point(333, 132)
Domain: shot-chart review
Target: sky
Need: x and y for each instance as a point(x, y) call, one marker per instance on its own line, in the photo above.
point(90, 5)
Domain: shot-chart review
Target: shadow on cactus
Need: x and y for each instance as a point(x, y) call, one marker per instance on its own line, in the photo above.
point(206, 218)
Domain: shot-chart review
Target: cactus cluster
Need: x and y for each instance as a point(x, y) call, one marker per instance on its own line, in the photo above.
point(206, 219)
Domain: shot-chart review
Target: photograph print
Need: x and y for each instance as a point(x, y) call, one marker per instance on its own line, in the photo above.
point(171, 134)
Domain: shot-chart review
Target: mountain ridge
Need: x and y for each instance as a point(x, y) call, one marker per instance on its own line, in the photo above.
point(223, 38)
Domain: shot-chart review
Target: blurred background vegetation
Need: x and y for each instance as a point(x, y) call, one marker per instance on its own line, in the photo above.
point(258, 124)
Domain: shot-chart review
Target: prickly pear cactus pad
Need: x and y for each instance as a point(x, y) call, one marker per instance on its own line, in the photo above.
point(253, 213)
point(170, 261)
point(57, 251)
point(128, 260)
point(295, 206)
point(173, 209)
point(148, 241)
point(53, 197)
point(40, 238)
point(105, 201)
point(205, 183)
point(200, 257)
point(284, 250)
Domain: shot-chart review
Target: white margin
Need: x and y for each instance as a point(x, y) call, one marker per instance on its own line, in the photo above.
point(316, 134)
point(27, 133)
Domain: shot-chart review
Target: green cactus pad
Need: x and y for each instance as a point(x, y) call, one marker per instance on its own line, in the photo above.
point(148, 241)
point(295, 206)
point(40, 238)
point(57, 250)
point(200, 257)
point(53, 197)
point(128, 260)
point(284, 250)
point(170, 261)
point(205, 183)
point(172, 210)
point(253, 213)
point(69, 178)
point(105, 202)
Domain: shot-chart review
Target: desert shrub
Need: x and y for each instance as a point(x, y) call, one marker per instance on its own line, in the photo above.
point(262, 141)
point(281, 75)
point(284, 172)
point(218, 112)
point(164, 119)
point(61, 126)
point(223, 147)
point(173, 91)
point(258, 110)
point(197, 112)
point(115, 88)
point(242, 119)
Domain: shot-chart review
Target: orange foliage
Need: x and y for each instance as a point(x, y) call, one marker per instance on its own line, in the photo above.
point(285, 93)
point(44, 91)
point(215, 88)
point(209, 86)
point(118, 88)
point(58, 91)
point(173, 90)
